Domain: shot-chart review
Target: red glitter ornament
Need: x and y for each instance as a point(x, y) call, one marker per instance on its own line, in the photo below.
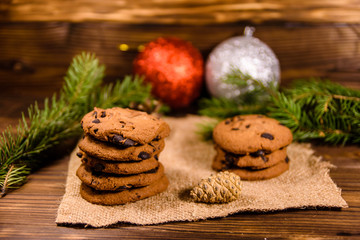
point(174, 68)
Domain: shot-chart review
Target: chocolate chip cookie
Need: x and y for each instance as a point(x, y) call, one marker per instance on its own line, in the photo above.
point(124, 127)
point(252, 146)
point(125, 168)
point(119, 153)
point(111, 152)
point(112, 182)
point(262, 174)
point(250, 133)
point(256, 160)
point(123, 196)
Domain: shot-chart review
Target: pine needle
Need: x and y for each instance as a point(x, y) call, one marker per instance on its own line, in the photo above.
point(14, 176)
point(313, 109)
point(40, 130)
point(205, 130)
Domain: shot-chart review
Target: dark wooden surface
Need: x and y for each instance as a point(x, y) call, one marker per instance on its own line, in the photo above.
point(34, 56)
point(181, 11)
point(39, 38)
point(30, 212)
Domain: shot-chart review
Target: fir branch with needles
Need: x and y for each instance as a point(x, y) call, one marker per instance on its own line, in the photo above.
point(205, 129)
point(311, 108)
point(44, 128)
point(26, 148)
point(130, 92)
point(319, 109)
point(248, 102)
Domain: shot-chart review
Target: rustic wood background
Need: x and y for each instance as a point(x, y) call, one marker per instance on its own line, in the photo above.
point(39, 38)
point(182, 11)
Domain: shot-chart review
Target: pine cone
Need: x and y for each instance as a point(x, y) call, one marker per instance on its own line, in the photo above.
point(220, 188)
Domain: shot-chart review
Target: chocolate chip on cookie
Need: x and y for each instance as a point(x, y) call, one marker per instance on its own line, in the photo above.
point(261, 174)
point(256, 160)
point(252, 146)
point(118, 167)
point(123, 196)
point(113, 182)
point(119, 152)
point(124, 126)
point(111, 152)
point(267, 136)
point(252, 133)
point(144, 155)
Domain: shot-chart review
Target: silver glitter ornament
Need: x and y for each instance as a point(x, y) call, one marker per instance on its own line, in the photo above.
point(245, 53)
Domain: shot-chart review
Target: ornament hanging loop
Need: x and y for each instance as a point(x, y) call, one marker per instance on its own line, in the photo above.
point(249, 31)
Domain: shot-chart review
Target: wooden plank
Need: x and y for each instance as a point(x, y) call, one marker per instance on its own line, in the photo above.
point(182, 11)
point(30, 212)
point(34, 56)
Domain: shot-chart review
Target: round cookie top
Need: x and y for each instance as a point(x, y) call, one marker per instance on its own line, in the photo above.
point(250, 133)
point(124, 127)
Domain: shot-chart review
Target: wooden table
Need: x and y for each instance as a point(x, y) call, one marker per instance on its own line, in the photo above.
point(39, 38)
point(30, 212)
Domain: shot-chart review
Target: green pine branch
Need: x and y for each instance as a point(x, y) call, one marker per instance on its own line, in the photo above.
point(248, 102)
point(325, 110)
point(205, 130)
point(27, 148)
point(312, 108)
point(130, 92)
point(223, 108)
point(45, 128)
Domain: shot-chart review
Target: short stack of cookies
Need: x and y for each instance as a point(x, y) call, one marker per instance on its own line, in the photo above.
point(252, 146)
point(119, 153)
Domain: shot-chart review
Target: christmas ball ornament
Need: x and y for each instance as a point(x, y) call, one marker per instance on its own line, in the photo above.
point(245, 53)
point(220, 188)
point(174, 68)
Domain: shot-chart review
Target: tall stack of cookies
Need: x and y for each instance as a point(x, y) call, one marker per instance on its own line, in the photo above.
point(252, 146)
point(119, 153)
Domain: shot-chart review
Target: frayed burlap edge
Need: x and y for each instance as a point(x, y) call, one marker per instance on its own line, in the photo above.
point(187, 159)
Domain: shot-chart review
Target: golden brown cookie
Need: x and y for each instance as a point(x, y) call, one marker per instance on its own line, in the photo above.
point(124, 196)
point(113, 182)
point(256, 160)
point(124, 127)
point(111, 152)
point(125, 168)
point(261, 174)
point(249, 133)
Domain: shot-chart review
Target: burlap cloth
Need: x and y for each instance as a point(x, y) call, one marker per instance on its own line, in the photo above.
point(187, 159)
